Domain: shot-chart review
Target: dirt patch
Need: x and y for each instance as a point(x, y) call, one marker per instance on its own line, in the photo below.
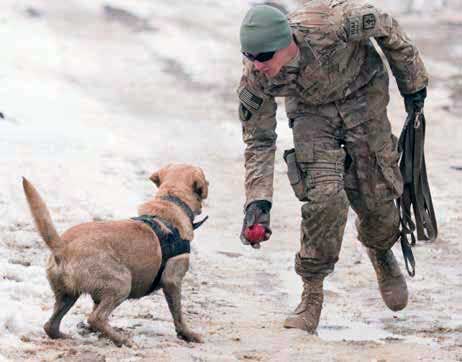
point(128, 19)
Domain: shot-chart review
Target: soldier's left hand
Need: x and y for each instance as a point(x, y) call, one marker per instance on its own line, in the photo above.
point(414, 102)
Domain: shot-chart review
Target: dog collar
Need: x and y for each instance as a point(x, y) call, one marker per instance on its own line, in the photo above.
point(188, 211)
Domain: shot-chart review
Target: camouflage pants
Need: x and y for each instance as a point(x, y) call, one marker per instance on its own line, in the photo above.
point(345, 155)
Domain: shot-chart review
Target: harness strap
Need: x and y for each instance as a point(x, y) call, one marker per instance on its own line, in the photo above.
point(171, 243)
point(416, 190)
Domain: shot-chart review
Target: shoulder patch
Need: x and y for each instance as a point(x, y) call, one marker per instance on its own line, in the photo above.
point(369, 21)
point(354, 26)
point(244, 113)
point(250, 100)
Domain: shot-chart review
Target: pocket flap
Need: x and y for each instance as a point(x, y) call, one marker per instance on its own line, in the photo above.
point(292, 169)
point(304, 151)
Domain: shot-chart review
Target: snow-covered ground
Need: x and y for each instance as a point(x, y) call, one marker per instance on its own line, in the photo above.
point(99, 94)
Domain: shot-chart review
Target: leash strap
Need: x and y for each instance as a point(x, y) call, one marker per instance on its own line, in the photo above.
point(199, 223)
point(416, 192)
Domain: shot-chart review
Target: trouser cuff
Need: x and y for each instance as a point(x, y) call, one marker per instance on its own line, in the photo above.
point(309, 268)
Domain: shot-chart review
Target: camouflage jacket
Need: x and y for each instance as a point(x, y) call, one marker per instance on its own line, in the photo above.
point(336, 58)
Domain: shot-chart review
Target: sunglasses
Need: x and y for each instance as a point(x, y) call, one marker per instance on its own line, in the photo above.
point(261, 57)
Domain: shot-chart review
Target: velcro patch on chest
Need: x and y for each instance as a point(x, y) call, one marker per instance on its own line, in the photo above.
point(250, 100)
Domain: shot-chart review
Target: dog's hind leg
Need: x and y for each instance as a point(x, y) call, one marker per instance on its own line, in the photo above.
point(110, 295)
point(98, 319)
point(172, 277)
point(85, 326)
point(63, 303)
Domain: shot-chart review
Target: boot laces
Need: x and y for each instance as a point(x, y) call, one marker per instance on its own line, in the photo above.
point(312, 291)
point(310, 295)
point(313, 298)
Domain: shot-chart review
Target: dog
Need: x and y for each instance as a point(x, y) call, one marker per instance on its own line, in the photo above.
point(116, 260)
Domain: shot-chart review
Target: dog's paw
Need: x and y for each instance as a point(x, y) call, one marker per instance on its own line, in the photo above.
point(54, 333)
point(61, 335)
point(129, 343)
point(189, 336)
point(124, 341)
point(85, 329)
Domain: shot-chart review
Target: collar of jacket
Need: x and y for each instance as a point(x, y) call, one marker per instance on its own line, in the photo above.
point(295, 61)
point(188, 211)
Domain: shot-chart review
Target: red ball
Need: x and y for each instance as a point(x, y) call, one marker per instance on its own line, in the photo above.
point(255, 233)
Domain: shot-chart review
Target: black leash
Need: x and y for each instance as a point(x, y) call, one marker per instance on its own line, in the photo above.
point(416, 191)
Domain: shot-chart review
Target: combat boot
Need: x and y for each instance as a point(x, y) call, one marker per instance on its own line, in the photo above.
point(391, 281)
point(306, 315)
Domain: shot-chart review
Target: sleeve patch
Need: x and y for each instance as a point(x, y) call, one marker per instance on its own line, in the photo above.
point(244, 113)
point(354, 26)
point(369, 21)
point(250, 100)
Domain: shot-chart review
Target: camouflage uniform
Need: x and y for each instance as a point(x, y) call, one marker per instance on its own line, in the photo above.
point(336, 94)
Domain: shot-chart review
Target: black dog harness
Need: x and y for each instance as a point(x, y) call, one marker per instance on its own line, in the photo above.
point(171, 243)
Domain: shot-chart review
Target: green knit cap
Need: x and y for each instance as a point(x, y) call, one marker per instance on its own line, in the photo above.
point(264, 29)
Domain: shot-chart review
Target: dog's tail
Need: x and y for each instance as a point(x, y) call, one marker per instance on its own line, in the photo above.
point(41, 216)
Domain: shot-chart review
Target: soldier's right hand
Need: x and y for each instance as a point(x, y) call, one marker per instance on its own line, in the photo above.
point(257, 212)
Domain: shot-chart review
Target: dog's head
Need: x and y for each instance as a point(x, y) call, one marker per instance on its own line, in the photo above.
point(184, 181)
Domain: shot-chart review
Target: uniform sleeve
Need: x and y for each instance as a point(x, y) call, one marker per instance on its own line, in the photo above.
point(366, 21)
point(257, 112)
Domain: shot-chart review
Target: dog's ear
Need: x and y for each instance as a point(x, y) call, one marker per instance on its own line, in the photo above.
point(201, 185)
point(155, 178)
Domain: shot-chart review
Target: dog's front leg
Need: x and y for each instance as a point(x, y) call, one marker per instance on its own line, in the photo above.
point(172, 277)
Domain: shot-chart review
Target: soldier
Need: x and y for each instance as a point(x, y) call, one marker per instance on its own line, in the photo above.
point(322, 60)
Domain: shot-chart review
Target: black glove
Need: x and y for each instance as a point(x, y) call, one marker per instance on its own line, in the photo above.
point(257, 212)
point(414, 102)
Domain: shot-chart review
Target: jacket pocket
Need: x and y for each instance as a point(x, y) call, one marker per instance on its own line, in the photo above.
point(295, 175)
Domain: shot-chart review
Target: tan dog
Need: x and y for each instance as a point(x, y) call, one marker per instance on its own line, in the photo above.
point(116, 260)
